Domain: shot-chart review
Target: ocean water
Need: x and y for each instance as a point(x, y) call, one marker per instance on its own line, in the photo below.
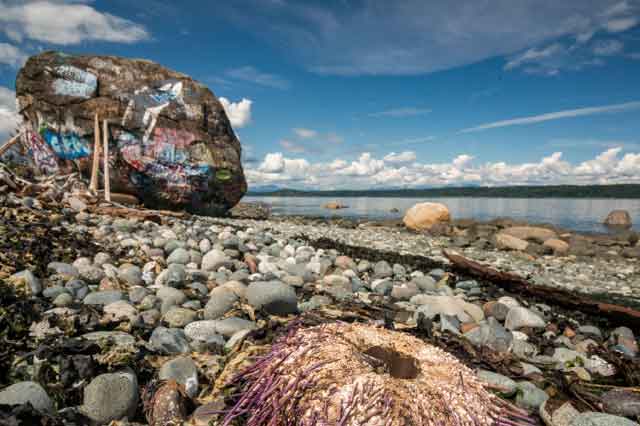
point(584, 215)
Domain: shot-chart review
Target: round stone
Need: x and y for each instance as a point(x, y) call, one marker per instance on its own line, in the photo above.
point(168, 341)
point(184, 371)
point(111, 396)
point(23, 392)
point(220, 302)
point(275, 297)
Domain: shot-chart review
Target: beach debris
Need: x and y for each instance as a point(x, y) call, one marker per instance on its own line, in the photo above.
point(166, 137)
point(515, 283)
point(340, 374)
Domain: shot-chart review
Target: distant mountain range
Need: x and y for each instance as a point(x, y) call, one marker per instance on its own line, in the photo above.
point(556, 191)
point(264, 188)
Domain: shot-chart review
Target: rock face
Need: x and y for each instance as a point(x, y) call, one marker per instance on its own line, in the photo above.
point(423, 216)
point(170, 141)
point(618, 218)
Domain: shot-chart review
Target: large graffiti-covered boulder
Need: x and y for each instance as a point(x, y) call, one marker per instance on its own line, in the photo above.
point(170, 141)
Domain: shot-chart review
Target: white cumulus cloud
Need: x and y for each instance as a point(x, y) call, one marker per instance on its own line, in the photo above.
point(8, 115)
point(239, 113)
point(11, 55)
point(66, 24)
point(610, 166)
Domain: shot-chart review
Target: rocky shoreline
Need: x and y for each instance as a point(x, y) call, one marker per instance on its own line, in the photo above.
point(106, 318)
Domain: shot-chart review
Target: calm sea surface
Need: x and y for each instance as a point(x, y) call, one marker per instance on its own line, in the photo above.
point(584, 215)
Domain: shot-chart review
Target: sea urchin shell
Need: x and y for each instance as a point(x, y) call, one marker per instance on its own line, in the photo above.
point(361, 375)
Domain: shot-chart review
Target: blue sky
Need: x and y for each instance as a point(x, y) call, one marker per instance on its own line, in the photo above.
point(361, 94)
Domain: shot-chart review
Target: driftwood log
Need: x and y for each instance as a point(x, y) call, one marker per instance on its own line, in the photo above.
point(151, 215)
point(625, 315)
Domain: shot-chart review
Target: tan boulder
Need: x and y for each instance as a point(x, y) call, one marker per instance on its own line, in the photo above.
point(508, 242)
point(334, 205)
point(618, 218)
point(558, 246)
point(424, 215)
point(534, 233)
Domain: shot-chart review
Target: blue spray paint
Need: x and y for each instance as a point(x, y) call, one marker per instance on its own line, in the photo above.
point(67, 146)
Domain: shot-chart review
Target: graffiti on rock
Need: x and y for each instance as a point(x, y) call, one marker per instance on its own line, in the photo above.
point(165, 159)
point(66, 145)
point(74, 82)
point(146, 104)
point(41, 152)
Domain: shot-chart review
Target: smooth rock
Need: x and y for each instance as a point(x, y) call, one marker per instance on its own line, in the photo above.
point(423, 216)
point(559, 247)
point(590, 418)
point(507, 386)
point(180, 256)
point(202, 330)
point(620, 218)
point(168, 341)
point(178, 317)
point(275, 297)
point(534, 233)
point(522, 317)
point(130, 274)
point(221, 300)
point(111, 396)
point(103, 297)
point(23, 392)
point(184, 371)
point(382, 270)
point(214, 259)
point(509, 242)
point(530, 397)
point(621, 402)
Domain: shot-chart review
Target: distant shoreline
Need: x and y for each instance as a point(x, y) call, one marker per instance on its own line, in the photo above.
point(622, 191)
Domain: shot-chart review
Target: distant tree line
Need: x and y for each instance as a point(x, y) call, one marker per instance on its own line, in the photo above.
point(556, 191)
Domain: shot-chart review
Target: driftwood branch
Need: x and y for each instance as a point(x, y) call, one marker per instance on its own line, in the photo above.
point(105, 138)
point(517, 284)
point(14, 140)
point(152, 215)
point(93, 186)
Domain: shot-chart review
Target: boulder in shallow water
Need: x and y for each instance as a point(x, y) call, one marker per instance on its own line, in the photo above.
point(618, 218)
point(334, 205)
point(423, 216)
point(170, 141)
